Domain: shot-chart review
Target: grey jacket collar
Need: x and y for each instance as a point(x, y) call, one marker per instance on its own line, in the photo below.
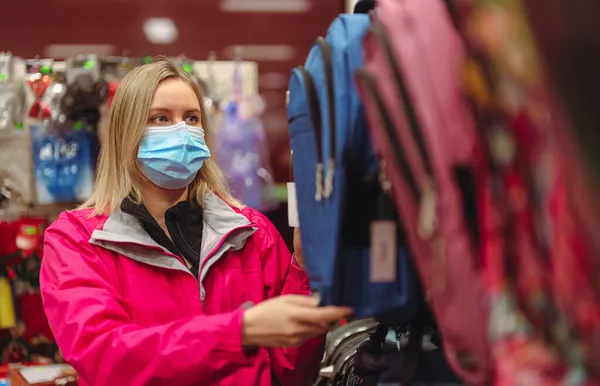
point(224, 230)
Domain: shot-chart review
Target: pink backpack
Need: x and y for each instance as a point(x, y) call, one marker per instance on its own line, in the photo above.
point(424, 132)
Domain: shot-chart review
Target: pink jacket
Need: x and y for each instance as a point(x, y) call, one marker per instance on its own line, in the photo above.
point(125, 311)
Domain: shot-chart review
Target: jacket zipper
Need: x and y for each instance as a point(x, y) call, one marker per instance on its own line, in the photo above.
point(329, 82)
point(428, 202)
point(214, 250)
point(315, 116)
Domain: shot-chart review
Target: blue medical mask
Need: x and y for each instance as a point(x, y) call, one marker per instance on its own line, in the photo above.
point(171, 156)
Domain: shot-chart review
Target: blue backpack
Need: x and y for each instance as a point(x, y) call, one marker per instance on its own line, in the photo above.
point(338, 190)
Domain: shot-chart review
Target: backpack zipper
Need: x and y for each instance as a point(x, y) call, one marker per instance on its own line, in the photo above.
point(366, 79)
point(315, 117)
point(329, 82)
point(428, 201)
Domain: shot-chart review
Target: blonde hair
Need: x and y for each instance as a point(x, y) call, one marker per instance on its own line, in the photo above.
point(118, 175)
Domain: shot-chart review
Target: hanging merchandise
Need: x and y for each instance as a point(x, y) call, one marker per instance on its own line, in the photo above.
point(28, 336)
point(7, 94)
point(7, 308)
point(415, 108)
point(51, 99)
point(38, 81)
point(111, 91)
point(353, 247)
point(242, 151)
point(15, 175)
point(13, 348)
point(114, 68)
point(211, 81)
point(86, 90)
point(208, 89)
point(64, 156)
point(4, 196)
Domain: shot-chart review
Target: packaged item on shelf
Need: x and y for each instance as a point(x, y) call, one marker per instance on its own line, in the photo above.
point(424, 130)
point(353, 246)
point(64, 158)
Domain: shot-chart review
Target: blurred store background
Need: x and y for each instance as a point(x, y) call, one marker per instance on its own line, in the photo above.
point(273, 35)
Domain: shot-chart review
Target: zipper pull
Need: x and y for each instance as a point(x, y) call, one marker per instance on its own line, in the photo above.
point(319, 182)
point(428, 220)
point(385, 184)
point(329, 178)
point(386, 208)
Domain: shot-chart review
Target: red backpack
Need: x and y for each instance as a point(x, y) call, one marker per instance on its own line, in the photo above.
point(423, 129)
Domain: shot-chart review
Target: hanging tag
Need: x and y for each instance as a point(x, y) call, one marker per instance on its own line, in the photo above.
point(383, 251)
point(292, 205)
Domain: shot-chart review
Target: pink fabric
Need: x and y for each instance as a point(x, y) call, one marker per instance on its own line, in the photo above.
point(121, 322)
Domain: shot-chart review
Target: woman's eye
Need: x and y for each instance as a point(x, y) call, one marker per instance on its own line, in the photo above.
point(192, 120)
point(160, 119)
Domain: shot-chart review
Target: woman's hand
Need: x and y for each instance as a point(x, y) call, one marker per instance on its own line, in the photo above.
point(298, 248)
point(288, 321)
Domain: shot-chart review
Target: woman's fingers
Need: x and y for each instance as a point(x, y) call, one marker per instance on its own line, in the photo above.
point(309, 312)
point(288, 320)
point(302, 300)
point(323, 315)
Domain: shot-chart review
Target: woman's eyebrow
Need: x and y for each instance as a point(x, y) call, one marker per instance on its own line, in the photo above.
point(164, 109)
point(159, 109)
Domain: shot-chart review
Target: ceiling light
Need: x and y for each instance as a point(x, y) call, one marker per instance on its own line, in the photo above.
point(160, 30)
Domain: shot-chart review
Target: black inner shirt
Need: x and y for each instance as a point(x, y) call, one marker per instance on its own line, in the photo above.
point(184, 222)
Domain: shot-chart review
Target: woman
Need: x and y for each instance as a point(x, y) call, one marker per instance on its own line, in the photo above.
point(160, 278)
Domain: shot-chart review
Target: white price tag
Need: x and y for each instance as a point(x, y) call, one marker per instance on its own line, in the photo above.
point(383, 261)
point(292, 205)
